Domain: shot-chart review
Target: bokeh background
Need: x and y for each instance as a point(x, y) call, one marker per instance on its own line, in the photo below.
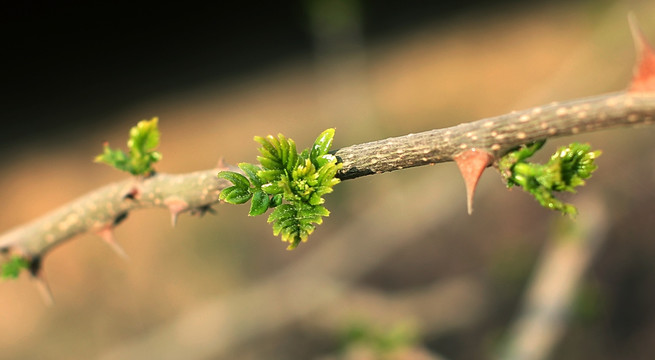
point(399, 270)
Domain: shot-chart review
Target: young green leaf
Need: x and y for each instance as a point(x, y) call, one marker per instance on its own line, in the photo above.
point(259, 203)
point(235, 195)
point(12, 268)
point(251, 170)
point(237, 179)
point(144, 138)
point(113, 157)
point(292, 184)
point(566, 170)
point(322, 144)
point(276, 200)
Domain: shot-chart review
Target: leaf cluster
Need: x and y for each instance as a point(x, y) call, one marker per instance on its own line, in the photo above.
point(12, 268)
point(291, 183)
point(567, 169)
point(144, 138)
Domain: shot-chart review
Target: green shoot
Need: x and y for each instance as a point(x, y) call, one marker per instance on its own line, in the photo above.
point(291, 183)
point(566, 170)
point(12, 268)
point(144, 138)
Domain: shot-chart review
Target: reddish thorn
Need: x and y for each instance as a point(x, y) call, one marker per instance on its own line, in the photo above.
point(107, 235)
point(175, 206)
point(471, 164)
point(644, 73)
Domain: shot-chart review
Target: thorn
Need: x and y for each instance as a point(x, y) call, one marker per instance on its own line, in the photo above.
point(107, 234)
point(44, 290)
point(644, 73)
point(471, 164)
point(133, 194)
point(175, 206)
point(36, 270)
point(221, 165)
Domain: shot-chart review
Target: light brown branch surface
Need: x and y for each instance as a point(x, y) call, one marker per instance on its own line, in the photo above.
point(499, 134)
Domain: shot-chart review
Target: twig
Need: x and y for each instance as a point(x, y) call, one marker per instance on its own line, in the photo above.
point(101, 210)
point(499, 134)
point(474, 146)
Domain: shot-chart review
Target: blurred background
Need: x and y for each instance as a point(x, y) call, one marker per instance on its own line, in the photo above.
point(399, 270)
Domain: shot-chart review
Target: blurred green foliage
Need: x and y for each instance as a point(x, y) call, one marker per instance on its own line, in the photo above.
point(11, 269)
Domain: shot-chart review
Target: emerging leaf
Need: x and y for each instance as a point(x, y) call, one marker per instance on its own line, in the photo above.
point(292, 184)
point(113, 157)
point(238, 180)
point(565, 171)
point(251, 170)
point(144, 138)
point(12, 268)
point(322, 144)
point(259, 204)
point(235, 195)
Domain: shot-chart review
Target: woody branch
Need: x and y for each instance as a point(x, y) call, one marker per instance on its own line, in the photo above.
point(474, 146)
point(101, 210)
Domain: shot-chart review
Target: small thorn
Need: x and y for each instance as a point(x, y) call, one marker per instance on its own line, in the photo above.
point(644, 73)
point(133, 194)
point(175, 206)
point(221, 165)
point(471, 164)
point(107, 235)
point(174, 216)
point(36, 270)
point(44, 290)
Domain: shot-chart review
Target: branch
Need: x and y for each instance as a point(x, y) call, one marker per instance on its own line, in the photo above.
point(101, 210)
point(497, 135)
point(474, 146)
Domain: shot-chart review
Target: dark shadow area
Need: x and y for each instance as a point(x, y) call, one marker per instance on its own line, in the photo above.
point(68, 63)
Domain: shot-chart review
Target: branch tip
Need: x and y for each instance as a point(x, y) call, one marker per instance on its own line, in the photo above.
point(471, 164)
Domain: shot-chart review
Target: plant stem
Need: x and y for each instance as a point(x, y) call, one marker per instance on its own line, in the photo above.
point(101, 210)
point(498, 134)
